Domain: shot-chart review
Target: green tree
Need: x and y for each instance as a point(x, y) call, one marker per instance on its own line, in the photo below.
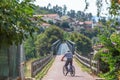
point(89, 33)
point(89, 16)
point(103, 20)
point(71, 13)
point(78, 15)
point(15, 21)
point(64, 9)
point(109, 40)
point(29, 47)
point(110, 56)
point(48, 6)
point(65, 25)
point(46, 39)
point(50, 22)
point(82, 42)
point(41, 44)
point(115, 38)
point(57, 9)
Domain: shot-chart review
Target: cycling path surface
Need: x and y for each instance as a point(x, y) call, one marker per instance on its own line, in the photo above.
point(55, 72)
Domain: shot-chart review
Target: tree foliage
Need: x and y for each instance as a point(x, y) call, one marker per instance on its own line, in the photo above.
point(110, 41)
point(82, 42)
point(46, 39)
point(15, 21)
point(89, 33)
point(65, 25)
point(102, 60)
point(115, 38)
point(79, 15)
point(29, 47)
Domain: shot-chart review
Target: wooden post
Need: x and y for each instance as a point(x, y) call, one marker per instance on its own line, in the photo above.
point(32, 69)
point(91, 55)
point(98, 66)
point(91, 63)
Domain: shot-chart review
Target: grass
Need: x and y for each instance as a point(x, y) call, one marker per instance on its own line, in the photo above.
point(119, 74)
point(84, 68)
point(28, 67)
point(88, 70)
point(42, 73)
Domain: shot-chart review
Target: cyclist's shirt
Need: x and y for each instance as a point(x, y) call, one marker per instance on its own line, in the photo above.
point(68, 55)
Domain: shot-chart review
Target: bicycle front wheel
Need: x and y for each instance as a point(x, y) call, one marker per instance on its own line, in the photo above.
point(64, 70)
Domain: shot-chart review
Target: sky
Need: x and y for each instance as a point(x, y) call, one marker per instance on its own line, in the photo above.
point(77, 5)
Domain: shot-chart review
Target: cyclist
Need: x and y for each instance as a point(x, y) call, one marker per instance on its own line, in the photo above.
point(69, 60)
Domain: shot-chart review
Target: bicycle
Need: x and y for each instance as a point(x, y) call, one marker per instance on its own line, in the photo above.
point(72, 72)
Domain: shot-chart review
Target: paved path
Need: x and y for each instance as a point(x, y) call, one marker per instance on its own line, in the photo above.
point(55, 72)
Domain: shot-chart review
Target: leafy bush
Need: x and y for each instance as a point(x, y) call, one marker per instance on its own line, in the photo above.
point(46, 39)
point(29, 47)
point(115, 38)
point(104, 66)
point(15, 23)
point(83, 43)
point(111, 42)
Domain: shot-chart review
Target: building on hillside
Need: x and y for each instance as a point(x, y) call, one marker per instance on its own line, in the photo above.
point(45, 25)
point(39, 15)
point(74, 26)
point(36, 17)
point(51, 17)
point(88, 25)
point(118, 29)
point(78, 25)
point(67, 19)
point(99, 25)
point(47, 17)
point(81, 24)
point(64, 18)
point(70, 21)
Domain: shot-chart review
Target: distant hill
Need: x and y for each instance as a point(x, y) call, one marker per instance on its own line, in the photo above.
point(79, 15)
point(41, 10)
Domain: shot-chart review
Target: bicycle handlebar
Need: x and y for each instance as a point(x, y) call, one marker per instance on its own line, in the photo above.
point(63, 60)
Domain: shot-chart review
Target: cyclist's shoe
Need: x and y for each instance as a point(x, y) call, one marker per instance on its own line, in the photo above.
point(66, 73)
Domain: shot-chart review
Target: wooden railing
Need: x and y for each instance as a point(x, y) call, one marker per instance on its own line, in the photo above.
point(92, 64)
point(38, 65)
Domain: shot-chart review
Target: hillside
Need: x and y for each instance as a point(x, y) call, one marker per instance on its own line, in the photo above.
point(41, 10)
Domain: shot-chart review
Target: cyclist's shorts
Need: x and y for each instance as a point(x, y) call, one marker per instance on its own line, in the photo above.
point(69, 59)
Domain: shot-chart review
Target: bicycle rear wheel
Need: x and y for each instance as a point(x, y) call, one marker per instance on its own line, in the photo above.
point(72, 73)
